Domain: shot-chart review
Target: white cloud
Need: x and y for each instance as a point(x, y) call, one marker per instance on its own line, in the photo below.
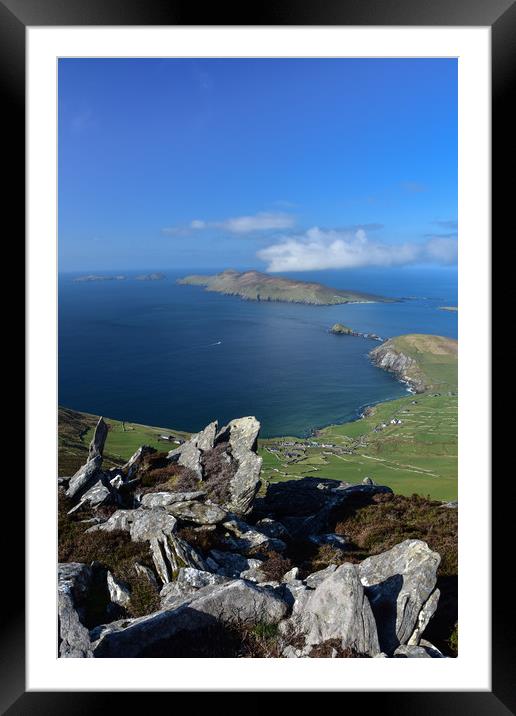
point(320, 249)
point(263, 221)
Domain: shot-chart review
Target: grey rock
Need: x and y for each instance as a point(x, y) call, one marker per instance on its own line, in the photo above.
point(432, 650)
point(339, 609)
point(398, 583)
point(291, 576)
point(231, 564)
point(161, 499)
point(188, 455)
point(150, 524)
point(313, 580)
point(254, 575)
point(74, 580)
point(188, 581)
point(84, 478)
point(242, 435)
point(234, 602)
point(273, 528)
point(406, 651)
point(100, 494)
point(198, 512)
point(134, 462)
point(334, 540)
point(205, 440)
point(245, 483)
point(245, 538)
point(170, 553)
point(99, 438)
point(427, 612)
point(119, 520)
point(451, 505)
point(119, 592)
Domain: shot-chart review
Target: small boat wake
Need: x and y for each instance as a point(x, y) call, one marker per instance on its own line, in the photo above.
point(217, 343)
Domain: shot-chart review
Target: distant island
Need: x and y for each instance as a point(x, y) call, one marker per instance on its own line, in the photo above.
point(98, 277)
point(158, 276)
point(120, 277)
point(448, 308)
point(257, 286)
point(340, 329)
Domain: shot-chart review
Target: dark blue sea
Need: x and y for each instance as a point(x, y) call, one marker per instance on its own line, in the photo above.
point(158, 353)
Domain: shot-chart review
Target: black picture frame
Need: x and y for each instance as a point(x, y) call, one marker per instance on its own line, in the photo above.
point(500, 16)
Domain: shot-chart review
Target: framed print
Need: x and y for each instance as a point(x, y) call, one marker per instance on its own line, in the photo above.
point(259, 338)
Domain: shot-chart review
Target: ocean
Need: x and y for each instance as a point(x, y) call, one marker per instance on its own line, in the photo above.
point(158, 353)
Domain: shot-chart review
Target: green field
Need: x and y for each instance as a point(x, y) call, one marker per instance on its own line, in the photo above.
point(76, 431)
point(418, 454)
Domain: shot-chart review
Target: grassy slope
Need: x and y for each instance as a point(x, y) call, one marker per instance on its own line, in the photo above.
point(76, 431)
point(418, 456)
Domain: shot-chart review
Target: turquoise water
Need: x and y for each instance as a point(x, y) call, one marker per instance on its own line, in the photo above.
point(178, 356)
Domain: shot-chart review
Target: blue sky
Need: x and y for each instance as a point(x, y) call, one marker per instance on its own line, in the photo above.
point(276, 164)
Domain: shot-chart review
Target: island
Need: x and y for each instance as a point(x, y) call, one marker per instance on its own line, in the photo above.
point(157, 276)
point(340, 329)
point(98, 277)
point(257, 286)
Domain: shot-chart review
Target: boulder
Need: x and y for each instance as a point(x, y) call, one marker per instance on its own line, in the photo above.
point(146, 525)
point(334, 540)
point(188, 455)
point(198, 512)
point(246, 539)
point(74, 581)
point(188, 581)
point(99, 438)
point(102, 493)
point(205, 440)
point(119, 592)
point(119, 520)
point(411, 651)
point(313, 580)
point(162, 499)
point(339, 609)
point(273, 528)
point(234, 602)
point(84, 478)
point(170, 553)
point(245, 483)
point(242, 435)
point(134, 462)
point(398, 583)
point(427, 612)
point(232, 565)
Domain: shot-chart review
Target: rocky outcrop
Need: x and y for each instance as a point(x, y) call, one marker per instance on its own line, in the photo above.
point(339, 609)
point(198, 512)
point(74, 580)
point(404, 367)
point(98, 440)
point(235, 602)
point(84, 478)
point(217, 569)
point(398, 583)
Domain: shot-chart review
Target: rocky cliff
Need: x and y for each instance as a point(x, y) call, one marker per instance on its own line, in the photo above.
point(419, 360)
point(182, 553)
